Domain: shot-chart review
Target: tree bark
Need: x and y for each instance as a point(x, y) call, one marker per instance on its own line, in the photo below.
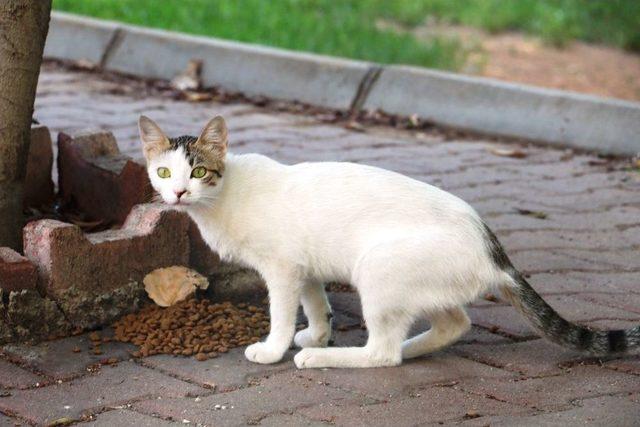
point(23, 29)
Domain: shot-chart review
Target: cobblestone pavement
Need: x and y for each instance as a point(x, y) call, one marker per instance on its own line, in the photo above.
point(580, 250)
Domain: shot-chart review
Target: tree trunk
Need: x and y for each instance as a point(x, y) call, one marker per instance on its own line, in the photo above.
point(23, 29)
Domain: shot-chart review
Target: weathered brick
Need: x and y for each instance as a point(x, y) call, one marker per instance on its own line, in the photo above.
point(59, 360)
point(78, 398)
point(428, 405)
point(398, 381)
point(124, 417)
point(16, 271)
point(225, 373)
point(38, 186)
point(12, 376)
point(97, 178)
point(556, 392)
point(97, 277)
point(282, 392)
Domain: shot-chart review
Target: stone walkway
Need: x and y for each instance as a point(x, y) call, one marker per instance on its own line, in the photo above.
point(570, 221)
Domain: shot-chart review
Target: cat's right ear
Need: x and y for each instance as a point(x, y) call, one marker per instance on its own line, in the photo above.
point(154, 141)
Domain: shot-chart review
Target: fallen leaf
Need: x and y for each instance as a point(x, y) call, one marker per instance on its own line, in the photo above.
point(513, 153)
point(354, 125)
point(198, 96)
point(167, 286)
point(189, 79)
point(64, 421)
point(534, 214)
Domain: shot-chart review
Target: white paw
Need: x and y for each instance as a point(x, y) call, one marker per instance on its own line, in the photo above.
point(309, 358)
point(260, 352)
point(305, 339)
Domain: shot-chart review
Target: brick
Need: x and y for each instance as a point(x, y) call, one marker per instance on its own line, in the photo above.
point(555, 392)
point(12, 376)
point(105, 281)
point(124, 417)
point(97, 178)
point(398, 381)
point(79, 398)
point(58, 360)
point(16, 271)
point(38, 186)
point(426, 406)
point(599, 411)
point(530, 358)
point(281, 393)
point(225, 373)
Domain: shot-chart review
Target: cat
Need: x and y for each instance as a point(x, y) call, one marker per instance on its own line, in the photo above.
point(411, 250)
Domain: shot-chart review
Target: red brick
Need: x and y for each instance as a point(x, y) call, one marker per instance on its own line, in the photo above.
point(38, 186)
point(115, 385)
point(16, 271)
point(98, 179)
point(93, 277)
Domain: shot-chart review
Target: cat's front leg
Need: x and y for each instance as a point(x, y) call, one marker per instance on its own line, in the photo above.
point(284, 299)
point(318, 311)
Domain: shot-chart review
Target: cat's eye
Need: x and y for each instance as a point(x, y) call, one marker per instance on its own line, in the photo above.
point(199, 172)
point(164, 172)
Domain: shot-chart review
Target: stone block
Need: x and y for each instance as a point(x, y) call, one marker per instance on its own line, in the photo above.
point(97, 178)
point(38, 187)
point(16, 271)
point(97, 277)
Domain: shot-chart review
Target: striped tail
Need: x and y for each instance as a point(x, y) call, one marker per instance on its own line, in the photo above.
point(549, 323)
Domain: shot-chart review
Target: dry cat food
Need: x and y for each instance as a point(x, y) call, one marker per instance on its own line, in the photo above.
point(192, 327)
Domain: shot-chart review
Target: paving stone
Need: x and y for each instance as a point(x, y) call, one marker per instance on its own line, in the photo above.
point(227, 372)
point(12, 376)
point(628, 364)
point(602, 411)
point(114, 386)
point(10, 422)
point(501, 319)
point(281, 393)
point(58, 360)
point(428, 405)
point(289, 420)
point(531, 358)
point(124, 418)
point(555, 392)
point(385, 383)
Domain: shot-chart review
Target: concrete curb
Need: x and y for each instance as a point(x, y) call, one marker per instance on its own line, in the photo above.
point(561, 118)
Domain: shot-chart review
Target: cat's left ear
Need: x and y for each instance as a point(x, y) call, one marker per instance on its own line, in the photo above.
point(214, 137)
point(154, 141)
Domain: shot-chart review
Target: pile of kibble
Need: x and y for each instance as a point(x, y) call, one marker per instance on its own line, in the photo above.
point(193, 327)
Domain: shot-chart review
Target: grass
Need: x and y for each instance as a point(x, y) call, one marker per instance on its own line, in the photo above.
point(348, 27)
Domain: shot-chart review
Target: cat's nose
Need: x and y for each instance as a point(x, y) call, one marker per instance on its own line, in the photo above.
point(179, 193)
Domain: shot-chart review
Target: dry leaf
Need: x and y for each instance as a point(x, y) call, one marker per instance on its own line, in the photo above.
point(198, 96)
point(189, 79)
point(534, 214)
point(514, 153)
point(354, 125)
point(167, 286)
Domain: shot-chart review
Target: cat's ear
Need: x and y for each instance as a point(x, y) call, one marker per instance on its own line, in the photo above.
point(154, 141)
point(214, 137)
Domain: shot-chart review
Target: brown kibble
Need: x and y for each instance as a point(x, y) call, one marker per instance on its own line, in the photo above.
point(192, 327)
point(97, 351)
point(76, 350)
point(94, 336)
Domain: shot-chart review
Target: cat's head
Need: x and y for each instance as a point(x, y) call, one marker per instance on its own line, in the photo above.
point(185, 171)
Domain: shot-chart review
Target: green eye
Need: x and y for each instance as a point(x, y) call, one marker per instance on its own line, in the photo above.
point(164, 172)
point(199, 172)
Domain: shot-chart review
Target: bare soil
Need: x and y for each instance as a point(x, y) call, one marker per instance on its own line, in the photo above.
point(579, 67)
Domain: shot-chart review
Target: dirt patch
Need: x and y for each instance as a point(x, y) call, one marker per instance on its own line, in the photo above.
point(579, 67)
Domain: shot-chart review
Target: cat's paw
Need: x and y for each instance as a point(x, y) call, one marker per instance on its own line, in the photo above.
point(305, 339)
point(309, 358)
point(261, 352)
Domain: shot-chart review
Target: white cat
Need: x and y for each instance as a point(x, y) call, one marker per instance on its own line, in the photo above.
point(411, 250)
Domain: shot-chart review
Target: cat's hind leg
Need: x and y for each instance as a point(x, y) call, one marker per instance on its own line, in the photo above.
point(318, 311)
point(446, 327)
point(387, 329)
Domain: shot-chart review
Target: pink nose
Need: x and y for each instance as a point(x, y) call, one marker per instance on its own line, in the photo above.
point(180, 193)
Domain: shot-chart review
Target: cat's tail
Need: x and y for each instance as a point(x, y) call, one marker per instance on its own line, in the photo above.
point(549, 323)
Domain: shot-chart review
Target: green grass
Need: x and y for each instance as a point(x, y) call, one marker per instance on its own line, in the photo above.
point(348, 27)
